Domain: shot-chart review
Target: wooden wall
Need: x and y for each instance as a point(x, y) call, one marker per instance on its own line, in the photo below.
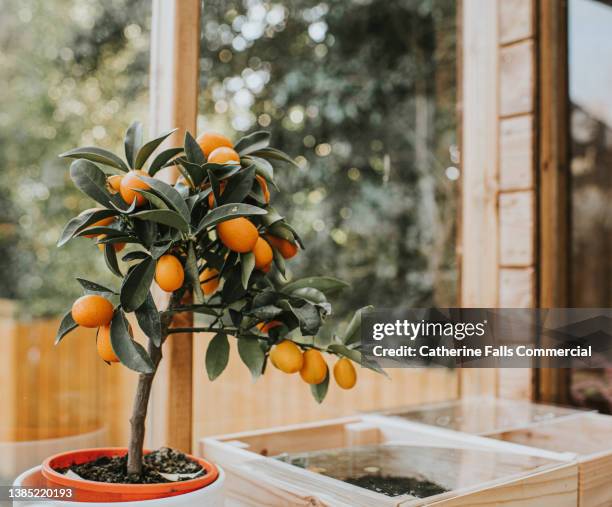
point(499, 207)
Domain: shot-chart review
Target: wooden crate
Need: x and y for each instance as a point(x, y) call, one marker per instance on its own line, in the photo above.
point(589, 436)
point(486, 472)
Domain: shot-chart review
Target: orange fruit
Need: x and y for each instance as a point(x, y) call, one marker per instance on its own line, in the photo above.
point(287, 357)
point(169, 273)
point(264, 187)
point(104, 347)
point(129, 183)
point(117, 246)
point(211, 196)
point(209, 280)
point(345, 374)
point(314, 368)
point(264, 327)
point(224, 155)
point(263, 253)
point(266, 268)
point(286, 248)
point(210, 141)
point(115, 182)
point(238, 234)
point(92, 310)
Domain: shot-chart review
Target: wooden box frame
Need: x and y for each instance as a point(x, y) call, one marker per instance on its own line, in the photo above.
point(594, 466)
point(242, 456)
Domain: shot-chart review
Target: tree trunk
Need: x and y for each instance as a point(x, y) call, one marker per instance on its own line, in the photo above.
point(137, 423)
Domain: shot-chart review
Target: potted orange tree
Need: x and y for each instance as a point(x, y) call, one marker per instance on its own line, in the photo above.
point(216, 245)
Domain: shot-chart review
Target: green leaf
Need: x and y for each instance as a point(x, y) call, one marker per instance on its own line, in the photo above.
point(326, 284)
point(145, 152)
point(156, 202)
point(228, 211)
point(308, 315)
point(136, 285)
point(217, 355)
point(315, 296)
point(274, 154)
point(253, 142)
point(262, 167)
point(221, 171)
point(193, 173)
point(319, 391)
point(352, 333)
point(247, 264)
point(266, 312)
point(133, 142)
point(66, 325)
point(170, 196)
point(165, 217)
point(97, 155)
point(162, 158)
point(193, 275)
point(110, 257)
point(90, 180)
point(279, 262)
point(252, 355)
point(272, 217)
point(129, 351)
point(193, 151)
point(149, 321)
point(80, 222)
point(95, 288)
point(238, 186)
point(134, 256)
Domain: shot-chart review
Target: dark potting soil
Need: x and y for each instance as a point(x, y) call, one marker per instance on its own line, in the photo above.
point(395, 486)
point(164, 460)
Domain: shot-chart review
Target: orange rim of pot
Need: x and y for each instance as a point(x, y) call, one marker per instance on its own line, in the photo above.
point(65, 459)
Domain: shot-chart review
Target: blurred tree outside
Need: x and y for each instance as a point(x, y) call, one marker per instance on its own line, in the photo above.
point(75, 72)
point(365, 92)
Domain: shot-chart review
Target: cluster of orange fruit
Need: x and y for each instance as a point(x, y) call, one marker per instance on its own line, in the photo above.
point(94, 311)
point(289, 358)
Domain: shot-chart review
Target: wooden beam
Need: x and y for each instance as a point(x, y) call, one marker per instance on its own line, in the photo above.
point(175, 40)
point(553, 174)
point(479, 133)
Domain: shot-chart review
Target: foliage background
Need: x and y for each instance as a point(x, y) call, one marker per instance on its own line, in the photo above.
point(363, 92)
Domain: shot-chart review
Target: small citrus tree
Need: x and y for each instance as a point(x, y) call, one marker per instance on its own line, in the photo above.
point(213, 241)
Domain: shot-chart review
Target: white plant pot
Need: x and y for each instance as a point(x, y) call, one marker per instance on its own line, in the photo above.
point(209, 496)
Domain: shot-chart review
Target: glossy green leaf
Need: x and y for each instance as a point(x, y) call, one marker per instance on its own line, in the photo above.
point(253, 142)
point(90, 180)
point(134, 256)
point(148, 148)
point(133, 142)
point(352, 333)
point(97, 155)
point(238, 186)
point(193, 152)
point(272, 217)
point(95, 288)
point(149, 320)
point(274, 154)
point(247, 264)
point(156, 202)
point(165, 217)
point(80, 222)
point(217, 355)
point(326, 284)
point(262, 167)
point(319, 391)
point(162, 158)
point(228, 211)
point(129, 351)
point(252, 356)
point(136, 285)
point(170, 196)
point(66, 325)
point(110, 257)
point(315, 296)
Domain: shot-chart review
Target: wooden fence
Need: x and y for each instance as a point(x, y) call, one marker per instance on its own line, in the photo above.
point(52, 392)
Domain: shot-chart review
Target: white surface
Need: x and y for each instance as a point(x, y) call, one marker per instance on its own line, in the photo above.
point(210, 496)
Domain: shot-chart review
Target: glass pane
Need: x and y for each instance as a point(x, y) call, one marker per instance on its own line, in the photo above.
point(73, 73)
point(590, 76)
point(363, 94)
point(481, 416)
